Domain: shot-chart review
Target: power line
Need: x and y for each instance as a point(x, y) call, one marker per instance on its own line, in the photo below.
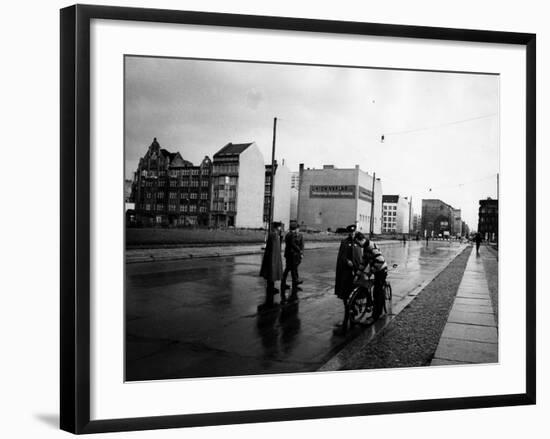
point(456, 122)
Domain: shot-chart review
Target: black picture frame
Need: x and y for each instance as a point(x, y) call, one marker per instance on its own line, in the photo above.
point(75, 217)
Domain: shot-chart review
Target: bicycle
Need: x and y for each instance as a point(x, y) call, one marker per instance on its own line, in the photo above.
point(360, 301)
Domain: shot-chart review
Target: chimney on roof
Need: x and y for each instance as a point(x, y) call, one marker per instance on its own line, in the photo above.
point(328, 166)
point(356, 166)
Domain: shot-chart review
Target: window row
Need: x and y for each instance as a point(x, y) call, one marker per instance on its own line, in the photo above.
point(174, 208)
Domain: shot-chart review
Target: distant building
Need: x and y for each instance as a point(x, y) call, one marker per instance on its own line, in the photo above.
point(416, 223)
point(395, 214)
point(465, 229)
point(295, 180)
point(170, 191)
point(488, 219)
point(238, 175)
point(281, 195)
point(332, 198)
point(438, 218)
point(457, 222)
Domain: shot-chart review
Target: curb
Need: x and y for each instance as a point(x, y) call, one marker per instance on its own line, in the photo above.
point(152, 258)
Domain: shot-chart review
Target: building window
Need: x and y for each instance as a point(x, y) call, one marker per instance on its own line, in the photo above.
point(204, 183)
point(194, 195)
point(160, 194)
point(147, 207)
point(173, 195)
point(202, 209)
point(173, 183)
point(204, 196)
point(160, 206)
point(172, 207)
point(192, 208)
point(183, 207)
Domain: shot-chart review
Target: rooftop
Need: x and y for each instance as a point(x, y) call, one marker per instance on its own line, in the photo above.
point(232, 149)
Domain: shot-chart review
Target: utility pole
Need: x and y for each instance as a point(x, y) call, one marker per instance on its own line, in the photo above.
point(271, 196)
point(372, 206)
point(410, 213)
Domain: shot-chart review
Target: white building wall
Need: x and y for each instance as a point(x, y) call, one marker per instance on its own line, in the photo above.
point(250, 188)
point(403, 215)
point(364, 181)
point(293, 204)
point(281, 195)
point(331, 212)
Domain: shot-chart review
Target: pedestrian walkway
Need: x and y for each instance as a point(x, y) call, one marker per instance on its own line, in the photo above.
point(470, 335)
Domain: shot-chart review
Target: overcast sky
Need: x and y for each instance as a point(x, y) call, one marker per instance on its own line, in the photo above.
point(440, 129)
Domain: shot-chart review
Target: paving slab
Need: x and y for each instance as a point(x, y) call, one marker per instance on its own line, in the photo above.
point(468, 351)
point(481, 309)
point(471, 318)
point(486, 334)
point(470, 301)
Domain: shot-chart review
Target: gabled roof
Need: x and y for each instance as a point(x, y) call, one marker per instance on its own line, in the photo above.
point(232, 149)
point(174, 155)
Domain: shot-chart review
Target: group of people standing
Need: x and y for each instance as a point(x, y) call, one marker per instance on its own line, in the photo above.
point(272, 265)
point(358, 259)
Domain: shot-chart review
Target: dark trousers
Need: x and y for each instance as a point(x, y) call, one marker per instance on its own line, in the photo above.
point(379, 293)
point(291, 267)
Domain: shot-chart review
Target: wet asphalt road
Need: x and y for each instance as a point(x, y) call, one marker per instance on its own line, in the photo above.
point(198, 318)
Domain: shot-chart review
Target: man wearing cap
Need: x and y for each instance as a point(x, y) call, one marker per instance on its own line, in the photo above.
point(272, 264)
point(349, 259)
point(294, 252)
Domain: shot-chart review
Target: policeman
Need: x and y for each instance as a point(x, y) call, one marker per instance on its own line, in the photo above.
point(294, 252)
point(349, 259)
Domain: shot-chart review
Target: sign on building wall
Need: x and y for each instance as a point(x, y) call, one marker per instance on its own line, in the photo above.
point(332, 191)
point(365, 194)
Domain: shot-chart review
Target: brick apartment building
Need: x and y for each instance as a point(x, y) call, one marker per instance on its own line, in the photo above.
point(488, 219)
point(170, 191)
point(439, 218)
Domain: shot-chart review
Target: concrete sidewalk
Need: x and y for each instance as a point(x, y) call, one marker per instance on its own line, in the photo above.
point(471, 333)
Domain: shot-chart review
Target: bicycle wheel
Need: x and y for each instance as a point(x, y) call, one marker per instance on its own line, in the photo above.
point(388, 291)
point(358, 305)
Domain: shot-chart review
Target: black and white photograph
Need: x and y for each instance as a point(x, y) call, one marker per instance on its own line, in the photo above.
point(292, 218)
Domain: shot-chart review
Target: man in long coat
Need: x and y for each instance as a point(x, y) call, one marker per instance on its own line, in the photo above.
point(348, 261)
point(294, 252)
point(272, 264)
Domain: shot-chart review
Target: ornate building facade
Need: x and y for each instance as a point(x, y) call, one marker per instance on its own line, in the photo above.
point(170, 191)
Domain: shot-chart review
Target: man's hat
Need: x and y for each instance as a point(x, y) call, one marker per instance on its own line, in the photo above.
point(351, 228)
point(359, 236)
point(293, 225)
point(276, 224)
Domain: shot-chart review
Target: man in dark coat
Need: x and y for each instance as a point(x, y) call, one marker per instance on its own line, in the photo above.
point(272, 264)
point(349, 258)
point(477, 240)
point(294, 252)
